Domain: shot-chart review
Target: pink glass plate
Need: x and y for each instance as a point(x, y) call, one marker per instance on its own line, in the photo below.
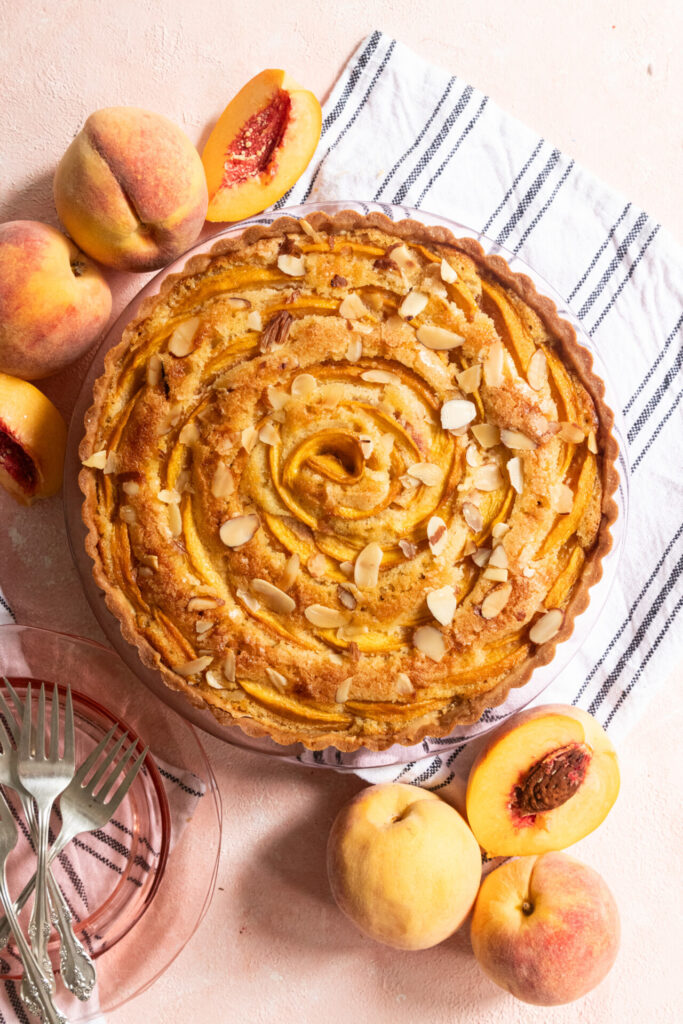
point(331, 757)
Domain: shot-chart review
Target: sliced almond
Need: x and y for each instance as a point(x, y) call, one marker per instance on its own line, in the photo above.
point(517, 440)
point(354, 350)
point(537, 370)
point(97, 460)
point(439, 339)
point(528, 572)
point(239, 530)
point(547, 626)
point(499, 557)
point(426, 472)
point(564, 499)
point(493, 365)
point(488, 478)
point(516, 473)
point(472, 517)
point(273, 597)
point(592, 443)
point(127, 514)
point(386, 443)
point(175, 520)
point(413, 304)
point(404, 685)
point(223, 483)
point(473, 456)
point(495, 573)
point(456, 413)
point(303, 385)
point(332, 394)
point(350, 633)
point(403, 258)
point(430, 642)
point(437, 535)
point(481, 556)
point(229, 665)
point(169, 419)
point(193, 668)
point(343, 691)
point(366, 445)
point(352, 307)
point(215, 679)
point(499, 530)
point(486, 434)
point(278, 398)
point(346, 598)
point(269, 433)
point(442, 604)
point(380, 377)
point(346, 568)
point(154, 370)
point(111, 465)
point(448, 273)
point(130, 487)
point(317, 564)
point(469, 379)
point(169, 497)
point(251, 602)
point(203, 626)
point(366, 566)
point(306, 227)
point(290, 571)
point(469, 548)
point(571, 433)
point(255, 321)
point(495, 601)
point(408, 548)
point(294, 266)
point(249, 437)
point(203, 604)
point(189, 434)
point(152, 561)
point(181, 342)
point(277, 679)
point(326, 618)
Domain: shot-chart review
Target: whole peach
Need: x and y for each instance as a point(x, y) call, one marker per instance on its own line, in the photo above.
point(53, 301)
point(545, 928)
point(131, 189)
point(403, 865)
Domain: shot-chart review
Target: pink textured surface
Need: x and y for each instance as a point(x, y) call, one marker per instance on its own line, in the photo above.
point(603, 85)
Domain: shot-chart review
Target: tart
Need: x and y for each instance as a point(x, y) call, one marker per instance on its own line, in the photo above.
point(347, 481)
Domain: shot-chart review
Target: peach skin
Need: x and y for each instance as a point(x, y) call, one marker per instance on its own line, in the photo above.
point(32, 441)
point(53, 301)
point(131, 190)
point(541, 782)
point(546, 929)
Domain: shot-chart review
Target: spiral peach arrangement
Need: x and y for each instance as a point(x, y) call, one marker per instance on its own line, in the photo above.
point(347, 481)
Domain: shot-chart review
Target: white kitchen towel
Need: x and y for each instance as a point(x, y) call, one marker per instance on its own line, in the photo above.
point(399, 130)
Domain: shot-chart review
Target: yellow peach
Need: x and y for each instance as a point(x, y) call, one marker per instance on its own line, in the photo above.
point(53, 301)
point(32, 441)
point(131, 189)
point(403, 865)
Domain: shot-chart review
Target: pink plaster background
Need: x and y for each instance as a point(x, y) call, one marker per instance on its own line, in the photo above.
point(602, 81)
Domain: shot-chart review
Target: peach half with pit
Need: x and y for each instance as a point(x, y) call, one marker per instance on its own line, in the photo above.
point(54, 301)
point(541, 782)
point(403, 865)
point(131, 190)
point(32, 441)
point(260, 145)
point(546, 929)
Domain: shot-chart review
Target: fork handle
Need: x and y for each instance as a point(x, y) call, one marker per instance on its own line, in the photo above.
point(39, 926)
point(20, 902)
point(77, 969)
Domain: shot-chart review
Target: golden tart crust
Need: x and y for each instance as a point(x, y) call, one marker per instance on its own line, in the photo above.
point(347, 481)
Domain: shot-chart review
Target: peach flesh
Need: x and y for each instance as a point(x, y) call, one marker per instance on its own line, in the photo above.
point(32, 441)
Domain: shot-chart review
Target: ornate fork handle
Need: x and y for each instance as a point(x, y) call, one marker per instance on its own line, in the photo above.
point(77, 969)
point(20, 902)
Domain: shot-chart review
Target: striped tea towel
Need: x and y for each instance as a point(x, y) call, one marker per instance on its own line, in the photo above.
point(398, 130)
point(88, 871)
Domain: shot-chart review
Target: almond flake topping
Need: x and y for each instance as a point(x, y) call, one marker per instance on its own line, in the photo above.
point(438, 338)
point(317, 564)
point(169, 497)
point(354, 350)
point(346, 598)
point(437, 535)
point(303, 385)
point(273, 597)
point(592, 443)
point(239, 530)
point(495, 601)
point(403, 258)
point(306, 227)
point(189, 434)
point(481, 556)
point(278, 398)
point(408, 548)
point(202, 604)
point(248, 599)
point(154, 370)
point(495, 573)
point(546, 627)
point(223, 483)
point(346, 568)
point(111, 464)
point(294, 266)
point(571, 433)
point(203, 626)
point(517, 440)
point(564, 499)
point(488, 478)
point(352, 307)
point(537, 370)
point(182, 339)
point(448, 273)
point(152, 561)
point(290, 571)
point(499, 557)
point(516, 473)
point(130, 487)
point(493, 366)
point(499, 530)
point(255, 321)
point(366, 567)
point(413, 304)
point(472, 517)
point(473, 457)
point(192, 668)
point(456, 413)
point(404, 685)
point(426, 472)
point(229, 666)
point(429, 641)
point(215, 680)
point(486, 434)
point(326, 618)
point(442, 604)
point(343, 691)
point(277, 679)
point(175, 521)
point(269, 433)
point(248, 437)
point(127, 514)
point(97, 460)
point(469, 379)
point(380, 377)
point(332, 394)
point(366, 445)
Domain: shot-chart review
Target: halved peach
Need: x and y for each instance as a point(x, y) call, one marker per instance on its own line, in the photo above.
point(32, 441)
point(260, 145)
point(544, 780)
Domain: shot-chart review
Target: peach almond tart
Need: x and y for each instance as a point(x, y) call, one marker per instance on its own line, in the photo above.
point(347, 481)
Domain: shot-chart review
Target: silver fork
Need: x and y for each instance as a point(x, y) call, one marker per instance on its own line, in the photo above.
point(36, 991)
point(76, 968)
point(44, 777)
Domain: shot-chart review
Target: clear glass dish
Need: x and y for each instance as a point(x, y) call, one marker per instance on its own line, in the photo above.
point(541, 679)
point(143, 916)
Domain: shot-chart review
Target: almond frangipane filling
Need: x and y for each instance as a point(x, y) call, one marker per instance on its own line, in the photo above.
point(360, 472)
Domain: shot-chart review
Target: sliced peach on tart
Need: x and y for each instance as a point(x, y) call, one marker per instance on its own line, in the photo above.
point(32, 441)
point(544, 780)
point(261, 144)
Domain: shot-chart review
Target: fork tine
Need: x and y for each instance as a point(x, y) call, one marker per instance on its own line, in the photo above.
point(25, 736)
point(107, 762)
point(40, 725)
point(114, 773)
point(5, 741)
point(120, 792)
point(16, 699)
point(69, 739)
point(54, 725)
point(94, 755)
point(12, 723)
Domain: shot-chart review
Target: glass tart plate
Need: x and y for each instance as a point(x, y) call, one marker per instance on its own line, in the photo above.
point(397, 754)
point(138, 923)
